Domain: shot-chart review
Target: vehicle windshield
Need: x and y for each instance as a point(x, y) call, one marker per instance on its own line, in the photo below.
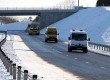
point(79, 37)
point(34, 26)
point(51, 32)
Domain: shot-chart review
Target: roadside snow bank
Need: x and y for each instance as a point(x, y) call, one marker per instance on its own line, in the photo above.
point(96, 21)
point(4, 75)
point(14, 26)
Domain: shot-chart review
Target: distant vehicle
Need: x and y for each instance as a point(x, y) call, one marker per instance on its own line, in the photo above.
point(51, 34)
point(33, 28)
point(78, 40)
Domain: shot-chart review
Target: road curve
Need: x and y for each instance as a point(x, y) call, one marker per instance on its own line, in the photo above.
point(88, 66)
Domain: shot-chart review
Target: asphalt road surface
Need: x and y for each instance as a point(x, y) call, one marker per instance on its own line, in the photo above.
point(88, 66)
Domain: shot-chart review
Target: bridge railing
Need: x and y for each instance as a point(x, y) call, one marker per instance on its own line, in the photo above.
point(100, 47)
point(34, 8)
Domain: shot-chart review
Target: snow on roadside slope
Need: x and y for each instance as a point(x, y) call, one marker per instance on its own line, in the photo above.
point(90, 20)
point(4, 75)
point(14, 26)
point(15, 47)
point(96, 21)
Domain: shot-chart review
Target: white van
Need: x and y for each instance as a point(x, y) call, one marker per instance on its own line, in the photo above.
point(78, 40)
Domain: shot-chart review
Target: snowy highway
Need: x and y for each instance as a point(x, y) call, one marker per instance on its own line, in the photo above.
point(53, 62)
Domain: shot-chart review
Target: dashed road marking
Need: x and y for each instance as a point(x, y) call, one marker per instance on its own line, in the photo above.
point(87, 62)
point(75, 58)
point(56, 50)
point(103, 67)
point(67, 55)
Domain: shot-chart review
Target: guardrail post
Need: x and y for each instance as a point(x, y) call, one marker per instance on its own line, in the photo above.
point(14, 71)
point(11, 65)
point(104, 48)
point(99, 47)
point(109, 49)
point(94, 46)
point(34, 77)
point(4, 61)
point(8, 64)
point(19, 73)
point(25, 74)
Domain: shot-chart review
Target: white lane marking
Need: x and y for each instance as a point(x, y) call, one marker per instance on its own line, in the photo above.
point(56, 51)
point(67, 55)
point(51, 47)
point(87, 62)
point(103, 67)
point(62, 47)
point(75, 58)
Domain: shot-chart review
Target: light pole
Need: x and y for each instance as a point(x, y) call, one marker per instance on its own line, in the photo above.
point(78, 3)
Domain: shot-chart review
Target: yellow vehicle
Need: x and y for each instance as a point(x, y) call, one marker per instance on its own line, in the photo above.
point(33, 28)
point(51, 34)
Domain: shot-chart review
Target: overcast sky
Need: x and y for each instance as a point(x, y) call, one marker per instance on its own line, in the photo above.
point(28, 3)
point(41, 3)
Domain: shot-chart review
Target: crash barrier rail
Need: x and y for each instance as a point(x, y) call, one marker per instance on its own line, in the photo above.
point(100, 47)
point(12, 68)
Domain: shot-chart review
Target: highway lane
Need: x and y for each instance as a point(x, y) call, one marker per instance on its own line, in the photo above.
point(88, 66)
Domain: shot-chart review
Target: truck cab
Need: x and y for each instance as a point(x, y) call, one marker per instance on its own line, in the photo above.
point(78, 40)
point(33, 28)
point(51, 34)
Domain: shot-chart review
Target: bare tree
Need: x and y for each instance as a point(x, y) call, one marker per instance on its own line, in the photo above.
point(6, 19)
point(66, 4)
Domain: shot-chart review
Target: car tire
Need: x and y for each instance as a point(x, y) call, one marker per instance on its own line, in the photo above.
point(85, 50)
point(45, 40)
point(56, 40)
point(30, 34)
point(69, 49)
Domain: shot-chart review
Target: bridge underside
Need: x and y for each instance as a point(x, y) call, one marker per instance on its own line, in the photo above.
point(18, 13)
point(46, 17)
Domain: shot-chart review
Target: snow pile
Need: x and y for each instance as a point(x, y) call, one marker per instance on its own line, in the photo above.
point(14, 26)
point(96, 21)
point(3, 73)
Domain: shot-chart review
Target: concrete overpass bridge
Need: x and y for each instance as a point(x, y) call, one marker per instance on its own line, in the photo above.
point(46, 16)
point(31, 11)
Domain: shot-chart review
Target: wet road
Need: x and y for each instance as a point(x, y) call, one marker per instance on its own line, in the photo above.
point(88, 66)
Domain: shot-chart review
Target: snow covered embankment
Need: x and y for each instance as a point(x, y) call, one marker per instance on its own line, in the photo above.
point(96, 21)
point(4, 75)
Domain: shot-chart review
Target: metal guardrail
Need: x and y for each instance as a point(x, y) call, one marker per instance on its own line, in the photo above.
point(12, 68)
point(74, 9)
point(100, 47)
